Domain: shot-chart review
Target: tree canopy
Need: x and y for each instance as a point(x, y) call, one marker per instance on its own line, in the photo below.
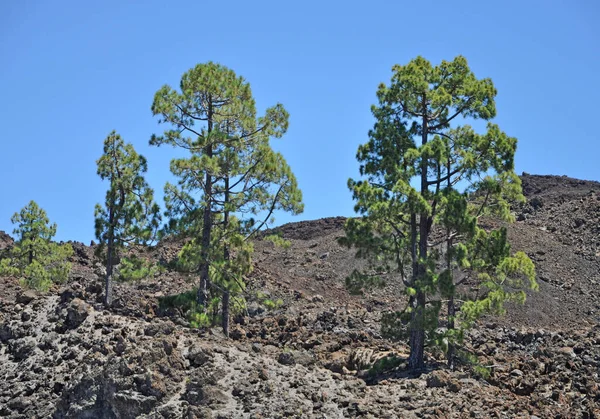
point(129, 214)
point(427, 183)
point(231, 183)
point(37, 260)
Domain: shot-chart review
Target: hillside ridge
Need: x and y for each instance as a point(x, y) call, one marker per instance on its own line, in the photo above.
point(320, 354)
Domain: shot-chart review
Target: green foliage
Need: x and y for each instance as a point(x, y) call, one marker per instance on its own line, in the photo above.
point(260, 296)
point(384, 365)
point(358, 281)
point(186, 304)
point(266, 301)
point(198, 316)
point(481, 371)
point(501, 277)
point(422, 172)
point(226, 140)
point(199, 320)
point(129, 214)
point(184, 301)
point(230, 183)
point(273, 304)
point(35, 258)
point(278, 241)
point(136, 269)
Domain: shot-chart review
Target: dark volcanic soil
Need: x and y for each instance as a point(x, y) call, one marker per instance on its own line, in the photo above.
point(63, 356)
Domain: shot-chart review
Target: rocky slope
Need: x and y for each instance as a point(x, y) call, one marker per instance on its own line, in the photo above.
point(63, 356)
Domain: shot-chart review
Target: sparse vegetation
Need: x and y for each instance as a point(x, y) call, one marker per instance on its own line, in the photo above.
point(479, 370)
point(269, 303)
point(34, 258)
point(385, 365)
point(186, 305)
point(136, 269)
point(277, 240)
point(184, 301)
point(514, 365)
point(423, 302)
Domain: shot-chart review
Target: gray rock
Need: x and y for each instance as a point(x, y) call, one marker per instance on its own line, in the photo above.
point(303, 357)
point(22, 348)
point(198, 357)
point(26, 297)
point(443, 379)
point(254, 309)
point(286, 358)
point(77, 311)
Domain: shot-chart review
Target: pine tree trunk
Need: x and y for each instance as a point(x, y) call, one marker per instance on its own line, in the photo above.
point(226, 313)
point(413, 247)
point(451, 308)
point(108, 297)
point(451, 346)
point(416, 359)
point(202, 296)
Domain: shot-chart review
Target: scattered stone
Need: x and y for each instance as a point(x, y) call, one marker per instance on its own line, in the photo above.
point(26, 297)
point(198, 357)
point(77, 312)
point(22, 348)
point(542, 357)
point(286, 358)
point(120, 346)
point(317, 298)
point(443, 379)
point(237, 333)
point(516, 373)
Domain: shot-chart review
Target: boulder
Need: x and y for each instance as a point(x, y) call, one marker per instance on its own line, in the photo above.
point(77, 311)
point(286, 358)
point(443, 379)
point(22, 348)
point(198, 357)
point(26, 297)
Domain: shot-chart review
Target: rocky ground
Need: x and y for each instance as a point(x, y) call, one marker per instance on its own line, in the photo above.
point(62, 355)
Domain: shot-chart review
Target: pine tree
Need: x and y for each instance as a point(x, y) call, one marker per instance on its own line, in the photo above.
point(231, 183)
point(129, 214)
point(427, 183)
point(34, 257)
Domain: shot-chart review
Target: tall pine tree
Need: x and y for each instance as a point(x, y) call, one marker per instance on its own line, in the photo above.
point(427, 183)
point(129, 214)
point(231, 183)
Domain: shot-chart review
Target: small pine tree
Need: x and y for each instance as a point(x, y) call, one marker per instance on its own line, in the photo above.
point(129, 214)
point(35, 258)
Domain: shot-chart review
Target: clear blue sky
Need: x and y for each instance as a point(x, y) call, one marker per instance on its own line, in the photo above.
point(71, 71)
